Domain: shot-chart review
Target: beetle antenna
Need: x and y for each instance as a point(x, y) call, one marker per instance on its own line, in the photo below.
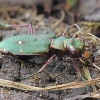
point(57, 66)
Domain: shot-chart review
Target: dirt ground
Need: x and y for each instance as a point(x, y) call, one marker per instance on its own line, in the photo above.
point(56, 18)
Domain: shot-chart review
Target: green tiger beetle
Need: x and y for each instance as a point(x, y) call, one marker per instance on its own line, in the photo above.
point(41, 44)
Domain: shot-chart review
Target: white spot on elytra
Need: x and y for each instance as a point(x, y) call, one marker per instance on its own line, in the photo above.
point(21, 50)
point(4, 50)
point(19, 42)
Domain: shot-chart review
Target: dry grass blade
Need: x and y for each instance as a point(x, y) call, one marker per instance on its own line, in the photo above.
point(94, 36)
point(59, 21)
point(88, 76)
point(89, 23)
point(7, 83)
point(81, 97)
point(96, 66)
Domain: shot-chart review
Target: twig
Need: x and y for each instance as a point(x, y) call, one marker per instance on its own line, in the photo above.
point(81, 97)
point(16, 85)
point(60, 20)
point(94, 36)
point(96, 66)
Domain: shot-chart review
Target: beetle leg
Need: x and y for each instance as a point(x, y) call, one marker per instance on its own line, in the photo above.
point(64, 34)
point(9, 53)
point(49, 60)
point(87, 88)
point(21, 25)
point(77, 69)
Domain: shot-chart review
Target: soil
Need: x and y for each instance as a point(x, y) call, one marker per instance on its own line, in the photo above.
point(14, 69)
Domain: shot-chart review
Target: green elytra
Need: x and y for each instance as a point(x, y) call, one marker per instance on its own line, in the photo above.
point(36, 44)
point(27, 44)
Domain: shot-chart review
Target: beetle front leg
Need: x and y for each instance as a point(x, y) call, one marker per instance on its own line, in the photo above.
point(21, 25)
point(47, 63)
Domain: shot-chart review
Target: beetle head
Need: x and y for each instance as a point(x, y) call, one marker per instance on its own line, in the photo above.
point(74, 46)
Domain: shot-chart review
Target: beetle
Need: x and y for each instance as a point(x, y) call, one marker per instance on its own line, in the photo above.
point(40, 44)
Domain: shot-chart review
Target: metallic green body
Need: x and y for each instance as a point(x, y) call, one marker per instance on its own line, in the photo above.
point(74, 42)
point(58, 43)
point(74, 46)
point(38, 44)
point(35, 44)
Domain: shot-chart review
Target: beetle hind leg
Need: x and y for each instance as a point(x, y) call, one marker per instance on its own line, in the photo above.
point(21, 25)
point(9, 53)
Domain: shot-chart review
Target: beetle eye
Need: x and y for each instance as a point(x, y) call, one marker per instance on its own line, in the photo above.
point(73, 51)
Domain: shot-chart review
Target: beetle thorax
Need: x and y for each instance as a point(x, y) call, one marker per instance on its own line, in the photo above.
point(58, 44)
